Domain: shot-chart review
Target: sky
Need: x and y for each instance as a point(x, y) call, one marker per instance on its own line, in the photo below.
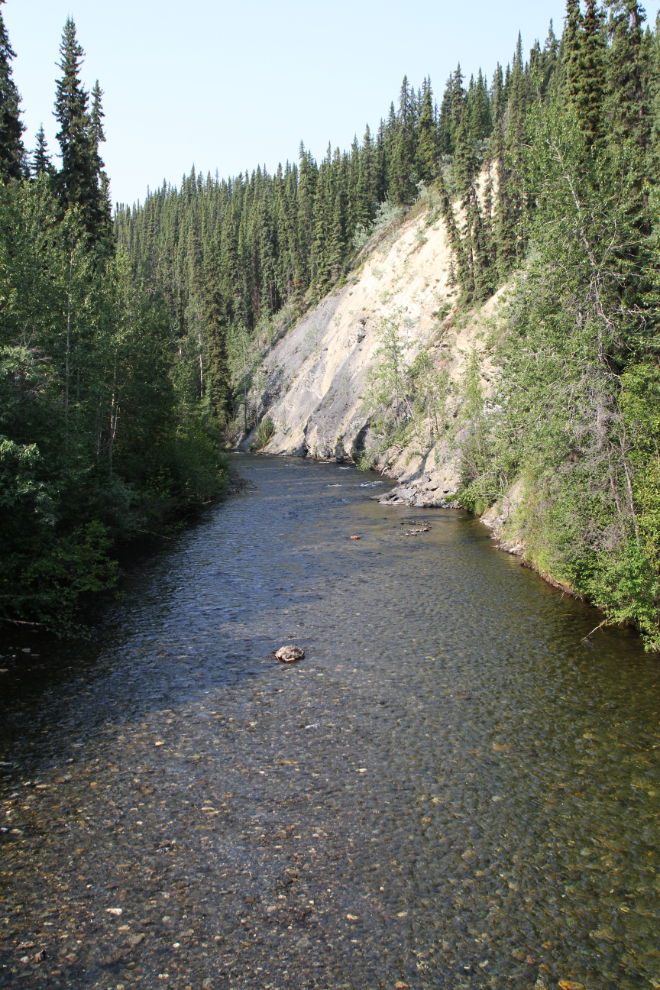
point(230, 85)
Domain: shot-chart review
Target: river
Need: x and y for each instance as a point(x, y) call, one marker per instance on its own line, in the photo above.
point(451, 790)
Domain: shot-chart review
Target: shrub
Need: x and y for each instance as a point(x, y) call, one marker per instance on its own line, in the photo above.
point(265, 431)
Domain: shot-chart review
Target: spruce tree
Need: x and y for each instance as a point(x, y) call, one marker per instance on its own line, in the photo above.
point(97, 135)
point(453, 236)
point(458, 97)
point(427, 152)
point(655, 69)
point(79, 180)
point(41, 162)
point(464, 161)
point(589, 87)
point(336, 245)
point(548, 62)
point(628, 103)
point(215, 327)
point(306, 191)
point(12, 152)
point(628, 108)
point(571, 44)
point(517, 101)
point(479, 111)
point(498, 100)
point(365, 193)
point(444, 122)
point(504, 240)
point(402, 155)
point(509, 144)
point(319, 254)
point(474, 274)
point(381, 161)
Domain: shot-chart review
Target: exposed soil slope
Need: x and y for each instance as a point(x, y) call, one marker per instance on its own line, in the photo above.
point(317, 374)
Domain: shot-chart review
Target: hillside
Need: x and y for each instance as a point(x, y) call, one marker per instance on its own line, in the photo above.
point(318, 373)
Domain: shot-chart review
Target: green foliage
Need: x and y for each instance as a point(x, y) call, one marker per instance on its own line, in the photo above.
point(41, 163)
point(406, 398)
point(12, 152)
point(80, 182)
point(479, 485)
point(101, 435)
point(265, 431)
point(50, 586)
point(427, 140)
point(575, 414)
point(627, 587)
point(194, 464)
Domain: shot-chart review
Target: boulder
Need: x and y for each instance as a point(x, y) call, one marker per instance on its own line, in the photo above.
point(287, 654)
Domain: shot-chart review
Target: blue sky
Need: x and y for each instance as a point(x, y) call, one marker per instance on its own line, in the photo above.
point(230, 85)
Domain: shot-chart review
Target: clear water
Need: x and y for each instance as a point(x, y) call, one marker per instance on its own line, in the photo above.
point(451, 790)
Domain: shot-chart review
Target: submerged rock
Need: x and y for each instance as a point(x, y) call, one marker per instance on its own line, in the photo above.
point(287, 654)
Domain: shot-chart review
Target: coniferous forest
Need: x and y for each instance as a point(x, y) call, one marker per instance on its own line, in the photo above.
point(130, 340)
point(99, 436)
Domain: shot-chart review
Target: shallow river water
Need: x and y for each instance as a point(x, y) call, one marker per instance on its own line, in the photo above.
point(451, 790)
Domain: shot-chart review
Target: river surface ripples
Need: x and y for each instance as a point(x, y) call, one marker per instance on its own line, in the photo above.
point(451, 790)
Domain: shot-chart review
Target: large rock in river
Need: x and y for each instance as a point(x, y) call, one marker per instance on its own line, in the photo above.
point(287, 654)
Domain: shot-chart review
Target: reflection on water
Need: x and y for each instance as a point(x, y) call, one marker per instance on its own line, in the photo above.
point(452, 790)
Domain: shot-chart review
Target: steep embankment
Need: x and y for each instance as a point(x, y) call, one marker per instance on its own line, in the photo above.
point(318, 373)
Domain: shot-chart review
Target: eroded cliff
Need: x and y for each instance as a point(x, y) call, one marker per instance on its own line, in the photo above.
point(318, 373)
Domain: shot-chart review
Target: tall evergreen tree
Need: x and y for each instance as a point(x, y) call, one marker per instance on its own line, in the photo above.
point(628, 103)
point(12, 152)
point(444, 122)
point(78, 181)
point(548, 62)
point(458, 97)
point(585, 66)
point(498, 99)
point(97, 136)
point(427, 150)
point(365, 194)
point(479, 110)
point(402, 161)
point(571, 45)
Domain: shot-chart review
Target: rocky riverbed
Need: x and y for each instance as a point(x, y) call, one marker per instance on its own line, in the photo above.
point(451, 789)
